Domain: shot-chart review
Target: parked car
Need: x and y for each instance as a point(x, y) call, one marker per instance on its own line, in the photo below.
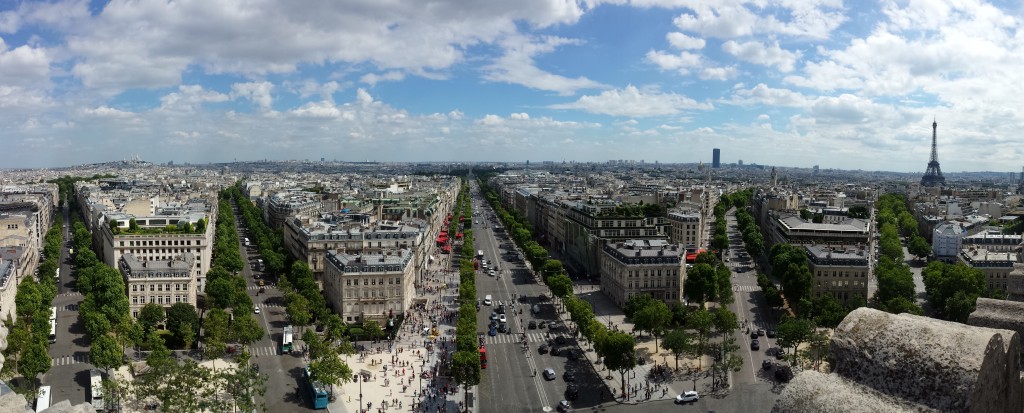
point(766, 364)
point(688, 397)
point(572, 392)
point(549, 374)
point(555, 350)
point(532, 325)
point(492, 332)
point(753, 334)
point(560, 340)
point(502, 319)
point(563, 406)
point(755, 345)
point(569, 376)
point(256, 309)
point(760, 332)
point(542, 349)
point(770, 333)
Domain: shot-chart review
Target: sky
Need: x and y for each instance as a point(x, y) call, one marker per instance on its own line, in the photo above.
point(798, 83)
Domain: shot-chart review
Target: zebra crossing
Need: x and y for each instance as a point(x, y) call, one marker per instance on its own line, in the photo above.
point(70, 359)
point(263, 351)
point(515, 338)
point(746, 288)
point(69, 307)
point(70, 294)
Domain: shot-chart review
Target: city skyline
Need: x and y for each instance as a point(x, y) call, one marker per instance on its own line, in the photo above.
point(844, 85)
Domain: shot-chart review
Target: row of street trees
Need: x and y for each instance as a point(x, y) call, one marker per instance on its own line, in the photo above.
point(466, 366)
point(953, 290)
point(895, 280)
point(28, 334)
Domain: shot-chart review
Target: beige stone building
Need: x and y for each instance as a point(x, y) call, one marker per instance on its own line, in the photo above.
point(163, 282)
point(369, 286)
point(685, 229)
point(996, 265)
point(652, 267)
point(838, 271)
point(151, 242)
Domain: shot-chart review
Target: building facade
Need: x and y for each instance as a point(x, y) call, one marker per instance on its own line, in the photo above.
point(652, 267)
point(161, 281)
point(837, 271)
point(997, 266)
point(151, 242)
point(369, 286)
point(685, 229)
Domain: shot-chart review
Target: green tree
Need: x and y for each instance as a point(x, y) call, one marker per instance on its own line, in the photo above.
point(919, 247)
point(701, 284)
point(619, 351)
point(636, 303)
point(653, 318)
point(182, 320)
point(246, 330)
point(151, 315)
point(373, 329)
point(701, 320)
point(551, 268)
point(794, 331)
point(724, 321)
point(561, 285)
point(466, 371)
point(329, 369)
point(245, 385)
point(105, 353)
point(33, 361)
point(298, 309)
point(679, 342)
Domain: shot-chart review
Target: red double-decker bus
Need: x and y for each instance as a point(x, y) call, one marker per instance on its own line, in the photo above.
point(483, 357)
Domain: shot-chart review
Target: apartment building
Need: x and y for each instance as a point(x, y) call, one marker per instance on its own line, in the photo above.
point(839, 271)
point(993, 240)
point(310, 241)
point(996, 265)
point(157, 238)
point(946, 241)
point(283, 205)
point(640, 266)
point(790, 228)
point(590, 225)
point(685, 228)
point(159, 281)
point(363, 287)
point(8, 289)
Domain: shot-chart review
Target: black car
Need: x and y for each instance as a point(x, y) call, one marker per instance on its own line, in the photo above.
point(573, 355)
point(552, 325)
point(501, 309)
point(560, 340)
point(572, 392)
point(755, 345)
point(766, 364)
point(753, 334)
point(532, 325)
point(569, 376)
point(770, 333)
point(542, 349)
point(555, 351)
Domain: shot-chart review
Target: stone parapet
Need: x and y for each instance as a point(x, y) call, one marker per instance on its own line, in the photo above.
point(813, 391)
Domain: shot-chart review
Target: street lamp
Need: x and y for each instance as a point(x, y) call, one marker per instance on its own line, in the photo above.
point(360, 380)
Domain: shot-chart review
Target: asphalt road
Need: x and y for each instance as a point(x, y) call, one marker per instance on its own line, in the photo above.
point(69, 373)
point(283, 371)
point(508, 382)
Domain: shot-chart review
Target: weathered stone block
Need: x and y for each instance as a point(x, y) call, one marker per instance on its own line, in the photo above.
point(812, 391)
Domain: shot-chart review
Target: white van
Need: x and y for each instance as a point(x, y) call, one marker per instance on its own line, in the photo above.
point(487, 299)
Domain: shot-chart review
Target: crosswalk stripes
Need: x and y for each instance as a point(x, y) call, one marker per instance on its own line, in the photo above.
point(71, 294)
point(263, 351)
point(69, 307)
point(515, 338)
point(70, 359)
point(746, 288)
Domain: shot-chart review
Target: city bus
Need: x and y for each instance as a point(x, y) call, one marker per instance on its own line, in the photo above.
point(53, 324)
point(317, 393)
point(479, 254)
point(96, 390)
point(43, 400)
point(286, 340)
point(483, 357)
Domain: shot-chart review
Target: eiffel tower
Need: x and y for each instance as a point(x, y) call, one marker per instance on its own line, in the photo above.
point(933, 176)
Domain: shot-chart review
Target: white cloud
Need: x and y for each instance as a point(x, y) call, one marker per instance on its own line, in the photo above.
point(189, 97)
point(730, 19)
point(372, 78)
point(108, 112)
point(24, 65)
point(682, 62)
point(257, 92)
point(517, 66)
point(630, 101)
point(718, 73)
point(682, 41)
point(766, 55)
point(520, 116)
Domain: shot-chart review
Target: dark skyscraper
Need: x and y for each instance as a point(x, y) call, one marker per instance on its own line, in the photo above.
point(933, 176)
point(716, 158)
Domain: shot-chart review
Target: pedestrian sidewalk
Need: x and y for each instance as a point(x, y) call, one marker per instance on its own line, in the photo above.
point(406, 374)
point(638, 379)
